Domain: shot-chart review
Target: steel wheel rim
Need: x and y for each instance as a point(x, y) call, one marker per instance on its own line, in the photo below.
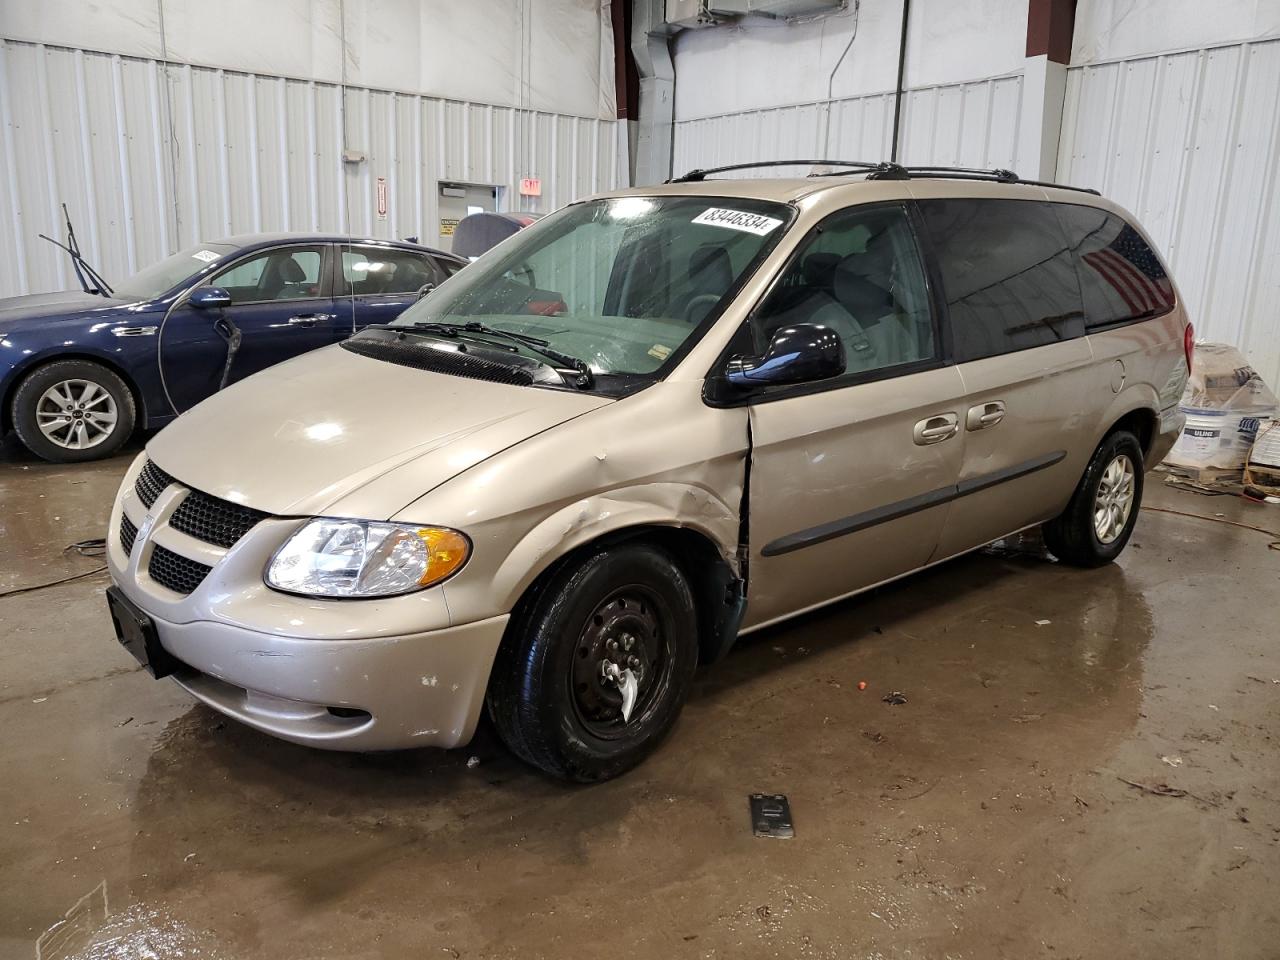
point(1113, 503)
point(76, 414)
point(636, 612)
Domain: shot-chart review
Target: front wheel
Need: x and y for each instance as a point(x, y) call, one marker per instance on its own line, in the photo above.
point(1104, 509)
point(592, 675)
point(73, 410)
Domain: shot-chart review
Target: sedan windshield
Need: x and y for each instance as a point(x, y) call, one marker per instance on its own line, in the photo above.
point(620, 285)
point(161, 277)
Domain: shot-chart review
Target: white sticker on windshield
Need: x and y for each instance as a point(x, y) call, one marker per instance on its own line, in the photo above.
point(205, 256)
point(738, 220)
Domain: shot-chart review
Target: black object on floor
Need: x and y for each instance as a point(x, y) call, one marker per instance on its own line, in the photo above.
point(771, 816)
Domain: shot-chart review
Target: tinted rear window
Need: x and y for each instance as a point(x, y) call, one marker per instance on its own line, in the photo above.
point(1007, 273)
point(1121, 278)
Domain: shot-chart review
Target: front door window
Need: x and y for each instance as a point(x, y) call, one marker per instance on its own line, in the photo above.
point(859, 274)
point(292, 273)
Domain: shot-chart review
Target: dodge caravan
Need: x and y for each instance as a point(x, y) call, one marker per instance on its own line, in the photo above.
point(650, 423)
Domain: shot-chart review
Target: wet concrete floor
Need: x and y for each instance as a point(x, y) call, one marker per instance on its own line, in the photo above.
point(988, 816)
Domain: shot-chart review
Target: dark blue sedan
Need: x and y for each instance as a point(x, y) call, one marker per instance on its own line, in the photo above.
point(78, 371)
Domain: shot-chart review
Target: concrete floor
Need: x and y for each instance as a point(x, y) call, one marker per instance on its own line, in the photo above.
point(985, 817)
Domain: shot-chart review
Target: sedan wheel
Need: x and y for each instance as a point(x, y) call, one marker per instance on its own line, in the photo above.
point(76, 414)
point(73, 410)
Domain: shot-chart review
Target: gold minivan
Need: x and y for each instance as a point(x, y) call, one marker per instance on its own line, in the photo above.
point(650, 423)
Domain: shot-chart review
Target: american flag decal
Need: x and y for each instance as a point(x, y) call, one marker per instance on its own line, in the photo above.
point(1130, 268)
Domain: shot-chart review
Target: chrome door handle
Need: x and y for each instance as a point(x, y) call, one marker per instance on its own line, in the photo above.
point(936, 429)
point(984, 415)
point(310, 319)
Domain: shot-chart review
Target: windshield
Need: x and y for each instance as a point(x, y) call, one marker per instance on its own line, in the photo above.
point(149, 283)
point(619, 284)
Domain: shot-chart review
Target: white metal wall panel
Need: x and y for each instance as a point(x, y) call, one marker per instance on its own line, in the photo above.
point(1190, 143)
point(970, 124)
point(151, 157)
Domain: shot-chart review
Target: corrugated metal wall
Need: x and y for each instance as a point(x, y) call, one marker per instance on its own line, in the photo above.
point(969, 124)
point(151, 156)
point(1190, 142)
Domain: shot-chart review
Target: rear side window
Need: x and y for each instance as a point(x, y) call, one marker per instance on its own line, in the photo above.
point(1121, 278)
point(372, 272)
point(1007, 274)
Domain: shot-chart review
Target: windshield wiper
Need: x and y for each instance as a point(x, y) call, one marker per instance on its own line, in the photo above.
point(79, 263)
point(583, 379)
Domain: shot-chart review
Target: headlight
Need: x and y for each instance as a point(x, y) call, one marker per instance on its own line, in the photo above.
point(354, 558)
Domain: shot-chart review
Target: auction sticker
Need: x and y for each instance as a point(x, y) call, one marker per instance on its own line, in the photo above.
point(205, 256)
point(738, 220)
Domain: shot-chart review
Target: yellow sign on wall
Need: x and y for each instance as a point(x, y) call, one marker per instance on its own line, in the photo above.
point(446, 226)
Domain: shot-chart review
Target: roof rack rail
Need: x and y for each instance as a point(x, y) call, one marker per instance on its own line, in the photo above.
point(696, 176)
point(884, 170)
point(998, 174)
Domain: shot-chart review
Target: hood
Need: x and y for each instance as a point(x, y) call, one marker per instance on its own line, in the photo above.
point(334, 432)
point(15, 311)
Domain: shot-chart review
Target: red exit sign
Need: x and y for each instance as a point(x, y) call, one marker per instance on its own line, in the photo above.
point(530, 187)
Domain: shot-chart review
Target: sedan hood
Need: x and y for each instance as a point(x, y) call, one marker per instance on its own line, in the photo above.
point(54, 306)
point(335, 433)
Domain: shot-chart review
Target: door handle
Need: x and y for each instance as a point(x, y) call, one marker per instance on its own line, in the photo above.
point(309, 319)
point(936, 429)
point(984, 415)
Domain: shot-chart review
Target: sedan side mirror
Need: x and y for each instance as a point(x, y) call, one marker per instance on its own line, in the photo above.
point(799, 353)
point(207, 298)
point(425, 289)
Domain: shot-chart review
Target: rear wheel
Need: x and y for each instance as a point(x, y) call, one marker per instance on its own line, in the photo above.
point(592, 675)
point(73, 410)
point(1104, 509)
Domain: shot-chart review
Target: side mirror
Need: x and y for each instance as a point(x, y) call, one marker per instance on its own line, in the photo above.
point(425, 289)
point(800, 353)
point(207, 298)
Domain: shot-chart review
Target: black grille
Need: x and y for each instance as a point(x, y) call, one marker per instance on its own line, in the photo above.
point(151, 483)
point(128, 534)
point(177, 573)
point(214, 521)
point(438, 361)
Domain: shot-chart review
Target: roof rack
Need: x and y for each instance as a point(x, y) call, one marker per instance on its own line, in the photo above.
point(997, 174)
point(885, 170)
point(696, 176)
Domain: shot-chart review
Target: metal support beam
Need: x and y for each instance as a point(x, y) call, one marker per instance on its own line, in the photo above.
point(651, 135)
point(1050, 24)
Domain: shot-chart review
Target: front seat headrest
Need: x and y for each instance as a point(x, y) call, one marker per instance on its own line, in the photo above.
point(710, 269)
point(862, 297)
point(818, 267)
point(291, 272)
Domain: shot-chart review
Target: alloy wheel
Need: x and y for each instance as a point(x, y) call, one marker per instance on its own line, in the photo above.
point(76, 414)
point(1113, 503)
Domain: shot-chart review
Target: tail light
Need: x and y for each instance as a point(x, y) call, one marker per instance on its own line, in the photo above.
point(1189, 344)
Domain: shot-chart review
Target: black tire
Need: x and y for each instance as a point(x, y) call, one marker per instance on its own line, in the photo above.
point(1072, 536)
point(538, 700)
point(27, 401)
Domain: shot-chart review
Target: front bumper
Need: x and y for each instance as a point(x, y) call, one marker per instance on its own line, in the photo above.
point(338, 674)
point(381, 693)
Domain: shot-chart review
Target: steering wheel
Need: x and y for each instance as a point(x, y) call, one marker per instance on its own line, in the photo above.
point(707, 299)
